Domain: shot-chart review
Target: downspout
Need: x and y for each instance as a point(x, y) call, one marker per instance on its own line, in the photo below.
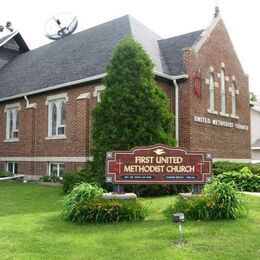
point(176, 111)
point(174, 79)
point(33, 106)
point(27, 101)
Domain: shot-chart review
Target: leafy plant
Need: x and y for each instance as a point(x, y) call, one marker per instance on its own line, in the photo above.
point(219, 201)
point(84, 204)
point(5, 174)
point(70, 179)
point(229, 203)
point(156, 190)
point(225, 166)
point(105, 211)
point(244, 179)
point(51, 178)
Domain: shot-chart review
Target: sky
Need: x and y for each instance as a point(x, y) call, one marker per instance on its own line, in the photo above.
point(165, 17)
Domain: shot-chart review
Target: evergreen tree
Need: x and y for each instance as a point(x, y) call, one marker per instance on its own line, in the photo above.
point(133, 110)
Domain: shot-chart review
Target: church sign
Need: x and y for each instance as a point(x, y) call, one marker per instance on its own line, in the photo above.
point(158, 164)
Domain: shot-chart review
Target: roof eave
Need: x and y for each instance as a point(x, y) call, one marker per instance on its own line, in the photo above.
point(84, 80)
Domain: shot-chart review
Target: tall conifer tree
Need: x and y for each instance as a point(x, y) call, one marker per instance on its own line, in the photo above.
point(133, 110)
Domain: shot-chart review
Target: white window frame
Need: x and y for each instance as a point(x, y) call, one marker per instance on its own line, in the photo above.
point(58, 103)
point(99, 96)
point(13, 167)
point(58, 167)
point(223, 91)
point(212, 84)
point(234, 100)
point(12, 135)
point(97, 92)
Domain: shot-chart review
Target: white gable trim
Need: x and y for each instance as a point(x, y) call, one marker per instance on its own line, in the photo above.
point(9, 38)
point(206, 34)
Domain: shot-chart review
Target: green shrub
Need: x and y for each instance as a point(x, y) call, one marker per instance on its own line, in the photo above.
point(70, 179)
point(156, 190)
point(85, 204)
point(244, 179)
point(219, 201)
point(105, 211)
point(5, 174)
point(52, 178)
point(229, 203)
point(225, 166)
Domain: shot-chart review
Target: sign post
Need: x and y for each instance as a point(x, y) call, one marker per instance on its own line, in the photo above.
point(158, 164)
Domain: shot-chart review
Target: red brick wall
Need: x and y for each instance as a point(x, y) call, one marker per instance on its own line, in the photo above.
point(223, 142)
point(33, 129)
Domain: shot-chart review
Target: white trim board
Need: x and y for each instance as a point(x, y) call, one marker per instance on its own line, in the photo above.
point(46, 159)
point(79, 81)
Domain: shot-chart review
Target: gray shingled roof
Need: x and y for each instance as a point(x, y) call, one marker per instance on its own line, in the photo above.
point(6, 37)
point(172, 50)
point(87, 54)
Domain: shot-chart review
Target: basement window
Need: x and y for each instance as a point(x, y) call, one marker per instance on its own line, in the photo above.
point(55, 169)
point(12, 167)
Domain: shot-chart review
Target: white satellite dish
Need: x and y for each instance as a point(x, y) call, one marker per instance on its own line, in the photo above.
point(60, 25)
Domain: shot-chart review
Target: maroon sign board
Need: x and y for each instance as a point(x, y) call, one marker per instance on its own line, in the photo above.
point(158, 164)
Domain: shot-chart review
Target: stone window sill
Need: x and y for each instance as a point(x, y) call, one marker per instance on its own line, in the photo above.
point(11, 140)
point(224, 114)
point(234, 116)
point(55, 137)
point(212, 112)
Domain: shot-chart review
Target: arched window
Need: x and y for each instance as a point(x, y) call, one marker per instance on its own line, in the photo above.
point(234, 99)
point(223, 91)
point(211, 93)
point(53, 118)
point(12, 123)
point(56, 118)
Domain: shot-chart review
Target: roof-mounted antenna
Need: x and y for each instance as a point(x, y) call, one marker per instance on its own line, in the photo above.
point(216, 14)
point(8, 26)
point(60, 25)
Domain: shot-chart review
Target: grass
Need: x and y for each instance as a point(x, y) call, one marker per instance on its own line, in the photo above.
point(31, 227)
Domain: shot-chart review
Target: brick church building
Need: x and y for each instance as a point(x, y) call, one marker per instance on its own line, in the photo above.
point(47, 94)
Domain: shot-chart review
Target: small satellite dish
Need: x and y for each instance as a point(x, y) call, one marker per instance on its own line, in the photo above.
point(60, 25)
point(8, 26)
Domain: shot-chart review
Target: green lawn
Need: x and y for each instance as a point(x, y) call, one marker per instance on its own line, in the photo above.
point(31, 228)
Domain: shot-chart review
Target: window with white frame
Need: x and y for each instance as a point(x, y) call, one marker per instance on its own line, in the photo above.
point(12, 167)
point(234, 99)
point(55, 169)
point(98, 91)
point(99, 95)
point(211, 92)
point(12, 123)
point(56, 117)
point(223, 91)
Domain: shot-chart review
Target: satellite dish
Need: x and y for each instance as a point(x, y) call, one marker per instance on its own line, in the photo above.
point(60, 25)
point(8, 26)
